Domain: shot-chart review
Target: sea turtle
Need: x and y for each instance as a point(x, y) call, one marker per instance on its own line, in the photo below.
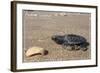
point(71, 41)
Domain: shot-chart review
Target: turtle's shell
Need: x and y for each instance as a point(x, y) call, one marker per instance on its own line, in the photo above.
point(74, 39)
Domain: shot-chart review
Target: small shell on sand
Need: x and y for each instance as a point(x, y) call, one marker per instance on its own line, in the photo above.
point(36, 51)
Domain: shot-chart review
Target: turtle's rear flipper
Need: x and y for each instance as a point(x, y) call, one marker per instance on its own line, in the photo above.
point(67, 46)
point(84, 49)
point(84, 46)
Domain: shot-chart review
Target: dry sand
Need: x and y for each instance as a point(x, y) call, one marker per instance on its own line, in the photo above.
point(39, 26)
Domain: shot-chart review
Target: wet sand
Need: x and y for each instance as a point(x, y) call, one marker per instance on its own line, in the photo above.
point(39, 27)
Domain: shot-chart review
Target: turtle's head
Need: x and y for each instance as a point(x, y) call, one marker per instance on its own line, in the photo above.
point(54, 37)
point(58, 39)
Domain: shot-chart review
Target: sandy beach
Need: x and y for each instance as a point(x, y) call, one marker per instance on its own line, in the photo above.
point(40, 26)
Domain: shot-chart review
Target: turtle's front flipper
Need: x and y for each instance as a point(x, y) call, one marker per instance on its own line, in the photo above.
point(68, 47)
point(64, 45)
